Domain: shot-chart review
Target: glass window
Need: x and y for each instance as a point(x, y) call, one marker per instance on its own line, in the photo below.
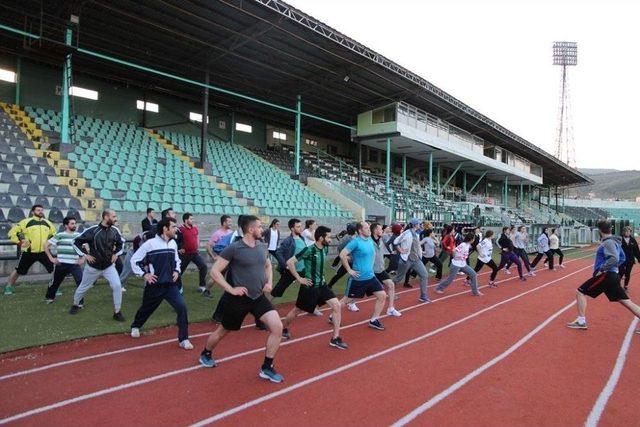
point(149, 106)
point(7, 75)
point(81, 92)
point(242, 127)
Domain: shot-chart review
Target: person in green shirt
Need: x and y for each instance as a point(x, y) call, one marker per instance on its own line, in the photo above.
point(66, 261)
point(313, 289)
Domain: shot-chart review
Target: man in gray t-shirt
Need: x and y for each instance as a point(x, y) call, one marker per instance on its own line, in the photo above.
point(252, 276)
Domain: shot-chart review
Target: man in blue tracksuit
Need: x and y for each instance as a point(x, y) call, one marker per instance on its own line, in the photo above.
point(609, 257)
point(158, 262)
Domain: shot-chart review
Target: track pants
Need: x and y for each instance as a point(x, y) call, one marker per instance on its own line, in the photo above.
point(197, 259)
point(126, 268)
point(405, 266)
point(491, 264)
point(548, 254)
point(510, 257)
point(625, 271)
point(89, 277)
point(153, 296)
point(60, 271)
point(454, 270)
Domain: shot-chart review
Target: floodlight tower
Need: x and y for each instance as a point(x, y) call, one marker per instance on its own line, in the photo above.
point(565, 54)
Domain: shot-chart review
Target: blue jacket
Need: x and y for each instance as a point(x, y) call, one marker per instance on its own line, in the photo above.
point(159, 257)
point(285, 251)
point(609, 256)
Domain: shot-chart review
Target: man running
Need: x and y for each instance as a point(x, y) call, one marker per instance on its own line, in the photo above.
point(363, 280)
point(411, 258)
point(158, 262)
point(31, 234)
point(609, 257)
point(100, 245)
point(66, 262)
point(379, 269)
point(313, 289)
point(252, 277)
point(190, 251)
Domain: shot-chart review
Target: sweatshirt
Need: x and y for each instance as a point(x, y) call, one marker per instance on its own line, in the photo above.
point(485, 250)
point(609, 255)
point(543, 243)
point(159, 257)
point(460, 254)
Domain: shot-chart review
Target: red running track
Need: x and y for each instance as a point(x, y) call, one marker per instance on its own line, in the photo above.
point(453, 337)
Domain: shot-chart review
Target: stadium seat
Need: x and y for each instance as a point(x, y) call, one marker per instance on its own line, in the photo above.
point(15, 215)
point(75, 214)
point(55, 215)
point(5, 201)
point(4, 231)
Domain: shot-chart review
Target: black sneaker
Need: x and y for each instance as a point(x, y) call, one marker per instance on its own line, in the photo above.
point(286, 334)
point(376, 324)
point(118, 317)
point(206, 293)
point(74, 309)
point(338, 343)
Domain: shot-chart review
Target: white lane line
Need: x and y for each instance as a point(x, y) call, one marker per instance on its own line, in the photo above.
point(458, 384)
point(169, 341)
point(363, 360)
point(196, 367)
point(607, 391)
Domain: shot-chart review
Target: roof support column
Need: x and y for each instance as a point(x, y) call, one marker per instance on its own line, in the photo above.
point(529, 195)
point(205, 120)
point(404, 171)
point(506, 192)
point(464, 183)
point(521, 195)
point(557, 206)
point(298, 136)
point(18, 79)
point(388, 168)
point(438, 178)
point(359, 161)
point(232, 131)
point(430, 175)
point(66, 79)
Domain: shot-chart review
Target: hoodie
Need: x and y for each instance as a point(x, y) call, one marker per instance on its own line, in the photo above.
point(609, 255)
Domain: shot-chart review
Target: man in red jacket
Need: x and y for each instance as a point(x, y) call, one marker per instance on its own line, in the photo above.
point(190, 250)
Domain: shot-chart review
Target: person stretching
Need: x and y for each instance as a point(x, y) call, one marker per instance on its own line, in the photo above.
point(485, 257)
point(459, 264)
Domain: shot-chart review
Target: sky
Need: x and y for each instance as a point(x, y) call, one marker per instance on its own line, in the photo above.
point(495, 56)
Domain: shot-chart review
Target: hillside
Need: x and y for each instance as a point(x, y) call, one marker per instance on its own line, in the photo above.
point(610, 183)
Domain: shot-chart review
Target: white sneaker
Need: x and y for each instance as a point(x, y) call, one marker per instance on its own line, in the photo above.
point(507, 272)
point(532, 273)
point(352, 307)
point(432, 271)
point(186, 344)
point(562, 266)
point(393, 312)
point(201, 289)
point(317, 312)
point(135, 333)
point(124, 289)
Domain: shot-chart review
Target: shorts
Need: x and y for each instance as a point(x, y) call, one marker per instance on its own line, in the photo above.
point(309, 298)
point(27, 259)
point(360, 288)
point(236, 309)
point(383, 276)
point(609, 283)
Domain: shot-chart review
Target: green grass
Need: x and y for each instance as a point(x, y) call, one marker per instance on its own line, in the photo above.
point(28, 321)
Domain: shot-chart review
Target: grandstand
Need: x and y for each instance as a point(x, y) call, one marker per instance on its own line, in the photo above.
point(202, 115)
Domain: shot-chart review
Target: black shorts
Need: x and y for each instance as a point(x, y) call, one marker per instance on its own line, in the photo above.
point(383, 276)
point(27, 259)
point(609, 283)
point(360, 288)
point(236, 309)
point(309, 298)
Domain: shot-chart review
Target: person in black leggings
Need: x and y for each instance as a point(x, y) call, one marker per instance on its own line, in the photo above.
point(632, 253)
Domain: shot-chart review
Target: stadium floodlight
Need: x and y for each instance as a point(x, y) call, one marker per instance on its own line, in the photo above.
point(565, 53)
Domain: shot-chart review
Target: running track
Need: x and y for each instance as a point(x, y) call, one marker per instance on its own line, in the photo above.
point(502, 359)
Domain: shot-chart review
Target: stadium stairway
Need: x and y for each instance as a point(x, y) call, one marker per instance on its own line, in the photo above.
point(214, 180)
point(33, 174)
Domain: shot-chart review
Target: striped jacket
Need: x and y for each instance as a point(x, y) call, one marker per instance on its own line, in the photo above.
point(157, 256)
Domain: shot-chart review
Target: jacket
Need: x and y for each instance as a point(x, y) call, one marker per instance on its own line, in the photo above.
point(543, 243)
point(609, 255)
point(285, 251)
point(36, 231)
point(505, 243)
point(405, 242)
point(631, 250)
point(158, 257)
point(448, 243)
point(146, 224)
point(104, 242)
point(266, 236)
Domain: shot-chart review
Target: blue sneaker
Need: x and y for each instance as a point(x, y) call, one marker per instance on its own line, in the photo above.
point(376, 324)
point(271, 375)
point(207, 360)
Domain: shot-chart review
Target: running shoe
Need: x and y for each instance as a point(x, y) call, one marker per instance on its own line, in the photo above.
point(58, 293)
point(338, 343)
point(477, 294)
point(466, 282)
point(271, 375)
point(118, 317)
point(317, 312)
point(8, 290)
point(49, 300)
point(507, 272)
point(74, 309)
point(135, 333)
point(562, 266)
point(376, 324)
point(206, 293)
point(186, 344)
point(432, 271)
point(286, 334)
point(492, 284)
point(439, 291)
point(523, 279)
point(201, 289)
point(424, 300)
point(577, 325)
point(207, 360)
point(123, 289)
point(352, 307)
point(393, 312)
point(532, 273)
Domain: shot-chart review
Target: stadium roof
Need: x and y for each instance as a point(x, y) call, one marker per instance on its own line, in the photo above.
point(262, 48)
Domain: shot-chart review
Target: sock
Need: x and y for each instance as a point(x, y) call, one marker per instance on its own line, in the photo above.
point(373, 319)
point(582, 319)
point(206, 353)
point(268, 363)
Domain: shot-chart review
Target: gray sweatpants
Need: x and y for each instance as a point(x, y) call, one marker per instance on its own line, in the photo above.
point(89, 277)
point(126, 268)
point(453, 271)
point(419, 268)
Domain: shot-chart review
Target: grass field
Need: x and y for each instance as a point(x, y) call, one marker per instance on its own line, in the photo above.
point(28, 321)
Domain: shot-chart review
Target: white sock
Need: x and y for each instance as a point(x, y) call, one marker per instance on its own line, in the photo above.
point(582, 319)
